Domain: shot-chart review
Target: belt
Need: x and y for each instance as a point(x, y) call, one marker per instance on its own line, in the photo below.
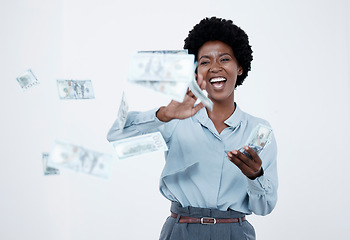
point(207, 220)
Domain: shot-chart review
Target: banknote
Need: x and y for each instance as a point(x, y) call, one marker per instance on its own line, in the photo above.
point(48, 170)
point(122, 112)
point(195, 89)
point(73, 157)
point(167, 72)
point(27, 79)
point(75, 89)
point(258, 139)
point(161, 67)
point(176, 90)
point(138, 145)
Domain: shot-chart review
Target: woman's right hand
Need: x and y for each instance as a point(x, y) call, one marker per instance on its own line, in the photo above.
point(184, 109)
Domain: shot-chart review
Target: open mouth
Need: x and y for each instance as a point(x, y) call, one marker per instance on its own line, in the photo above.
point(218, 82)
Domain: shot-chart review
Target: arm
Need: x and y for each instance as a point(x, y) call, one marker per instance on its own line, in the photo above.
point(261, 172)
point(138, 123)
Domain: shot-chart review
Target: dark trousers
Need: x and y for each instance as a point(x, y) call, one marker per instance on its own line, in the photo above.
point(173, 230)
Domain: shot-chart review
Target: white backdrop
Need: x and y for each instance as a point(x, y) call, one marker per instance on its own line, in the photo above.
point(299, 82)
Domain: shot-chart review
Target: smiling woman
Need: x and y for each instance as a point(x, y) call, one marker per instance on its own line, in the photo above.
point(219, 68)
point(211, 185)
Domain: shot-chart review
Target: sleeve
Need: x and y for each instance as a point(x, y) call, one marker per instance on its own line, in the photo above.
point(262, 191)
point(138, 123)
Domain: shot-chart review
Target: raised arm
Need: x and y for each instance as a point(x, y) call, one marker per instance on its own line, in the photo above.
point(138, 123)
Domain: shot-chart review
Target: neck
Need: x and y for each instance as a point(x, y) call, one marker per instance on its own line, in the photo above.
point(222, 110)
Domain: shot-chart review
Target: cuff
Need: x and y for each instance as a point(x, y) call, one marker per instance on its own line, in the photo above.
point(146, 120)
point(259, 185)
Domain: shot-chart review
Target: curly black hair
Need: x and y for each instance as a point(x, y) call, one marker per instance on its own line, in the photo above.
point(212, 29)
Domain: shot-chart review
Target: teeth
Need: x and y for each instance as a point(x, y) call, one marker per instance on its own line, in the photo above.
point(220, 79)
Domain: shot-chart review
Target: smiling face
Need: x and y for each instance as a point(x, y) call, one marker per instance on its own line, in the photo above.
point(219, 68)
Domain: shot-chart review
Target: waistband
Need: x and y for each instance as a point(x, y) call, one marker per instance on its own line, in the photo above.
point(203, 212)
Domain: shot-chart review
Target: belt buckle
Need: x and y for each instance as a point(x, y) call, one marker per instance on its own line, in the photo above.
point(208, 220)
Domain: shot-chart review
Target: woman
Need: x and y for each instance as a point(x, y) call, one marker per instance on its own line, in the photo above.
point(211, 185)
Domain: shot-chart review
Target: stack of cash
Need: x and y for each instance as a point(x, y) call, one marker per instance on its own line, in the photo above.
point(258, 139)
point(27, 79)
point(75, 89)
point(68, 156)
point(170, 72)
point(138, 145)
point(167, 72)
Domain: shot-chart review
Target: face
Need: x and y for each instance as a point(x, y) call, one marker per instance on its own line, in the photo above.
point(219, 68)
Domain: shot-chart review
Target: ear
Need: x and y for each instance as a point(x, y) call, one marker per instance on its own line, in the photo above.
point(240, 71)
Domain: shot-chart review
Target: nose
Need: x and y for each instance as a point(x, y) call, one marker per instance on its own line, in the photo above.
point(215, 67)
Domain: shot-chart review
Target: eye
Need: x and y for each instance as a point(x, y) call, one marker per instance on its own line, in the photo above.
point(204, 62)
point(225, 59)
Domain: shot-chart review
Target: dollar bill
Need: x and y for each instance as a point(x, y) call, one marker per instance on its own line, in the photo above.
point(195, 89)
point(138, 145)
point(176, 90)
point(72, 157)
point(122, 112)
point(48, 170)
point(258, 139)
point(27, 79)
point(75, 89)
point(167, 72)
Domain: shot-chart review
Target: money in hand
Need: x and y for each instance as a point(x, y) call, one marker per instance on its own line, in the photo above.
point(48, 170)
point(167, 72)
point(68, 156)
point(75, 89)
point(258, 139)
point(138, 145)
point(27, 79)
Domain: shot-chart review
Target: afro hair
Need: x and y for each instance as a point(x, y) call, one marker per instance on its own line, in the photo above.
point(212, 29)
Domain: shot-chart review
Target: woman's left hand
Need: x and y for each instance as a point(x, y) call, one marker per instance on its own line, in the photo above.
point(251, 167)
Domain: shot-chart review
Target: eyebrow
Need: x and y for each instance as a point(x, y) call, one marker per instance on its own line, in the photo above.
point(220, 55)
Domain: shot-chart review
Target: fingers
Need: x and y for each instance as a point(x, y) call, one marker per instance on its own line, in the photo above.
point(197, 108)
point(241, 161)
point(190, 94)
point(253, 154)
point(201, 83)
point(249, 167)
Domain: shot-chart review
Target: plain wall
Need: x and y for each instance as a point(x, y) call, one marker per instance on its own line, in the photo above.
point(299, 82)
